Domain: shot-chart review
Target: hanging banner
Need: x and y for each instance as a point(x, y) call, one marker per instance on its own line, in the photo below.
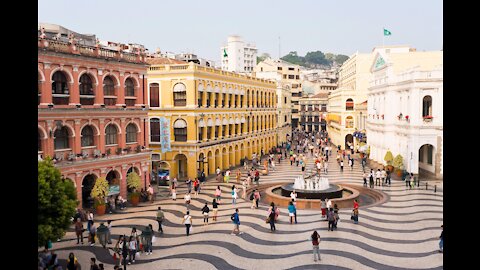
point(165, 134)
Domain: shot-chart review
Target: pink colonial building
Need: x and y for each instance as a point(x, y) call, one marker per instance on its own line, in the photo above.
point(92, 110)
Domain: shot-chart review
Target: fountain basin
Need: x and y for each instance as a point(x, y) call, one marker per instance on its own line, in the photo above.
point(334, 191)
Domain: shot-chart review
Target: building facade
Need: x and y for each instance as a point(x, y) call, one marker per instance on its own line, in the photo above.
point(238, 56)
point(215, 117)
point(286, 73)
point(92, 114)
point(405, 105)
point(353, 82)
point(284, 107)
point(313, 111)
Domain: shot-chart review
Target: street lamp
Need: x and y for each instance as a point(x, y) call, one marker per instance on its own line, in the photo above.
point(102, 233)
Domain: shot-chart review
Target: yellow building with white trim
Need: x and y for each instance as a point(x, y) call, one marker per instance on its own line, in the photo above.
point(216, 117)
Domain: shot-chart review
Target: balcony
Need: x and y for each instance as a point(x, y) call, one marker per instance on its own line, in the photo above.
point(65, 157)
point(87, 99)
point(60, 99)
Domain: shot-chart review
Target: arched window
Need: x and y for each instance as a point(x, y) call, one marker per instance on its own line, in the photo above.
point(348, 122)
point(179, 95)
point(427, 106)
point(349, 105)
point(155, 130)
point(60, 91)
point(61, 138)
point(87, 136)
point(109, 91)
point(131, 133)
point(130, 92)
point(154, 95)
point(86, 90)
point(180, 130)
point(39, 142)
point(111, 134)
point(39, 87)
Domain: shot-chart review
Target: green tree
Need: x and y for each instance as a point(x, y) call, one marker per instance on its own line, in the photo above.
point(388, 157)
point(133, 181)
point(316, 58)
point(100, 190)
point(262, 57)
point(292, 57)
point(340, 58)
point(57, 199)
point(398, 162)
point(330, 57)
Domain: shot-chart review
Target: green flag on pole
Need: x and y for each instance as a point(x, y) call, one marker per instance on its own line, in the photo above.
point(225, 53)
point(386, 32)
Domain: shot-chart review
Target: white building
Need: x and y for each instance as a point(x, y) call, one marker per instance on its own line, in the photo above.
point(405, 105)
point(238, 56)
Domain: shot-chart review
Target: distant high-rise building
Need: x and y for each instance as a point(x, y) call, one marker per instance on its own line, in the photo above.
point(238, 56)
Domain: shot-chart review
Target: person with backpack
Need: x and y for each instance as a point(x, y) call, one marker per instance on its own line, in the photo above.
point(315, 238)
point(236, 222)
point(234, 195)
point(271, 217)
point(205, 211)
point(355, 215)
point(215, 209)
point(257, 198)
point(160, 217)
point(187, 220)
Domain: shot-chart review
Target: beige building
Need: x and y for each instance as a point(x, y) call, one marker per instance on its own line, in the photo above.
point(313, 111)
point(284, 107)
point(284, 72)
point(353, 82)
point(202, 118)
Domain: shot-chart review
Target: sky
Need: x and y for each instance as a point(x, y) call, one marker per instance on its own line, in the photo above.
point(202, 26)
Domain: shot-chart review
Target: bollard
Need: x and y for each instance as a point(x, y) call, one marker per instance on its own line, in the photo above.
point(435, 191)
point(426, 186)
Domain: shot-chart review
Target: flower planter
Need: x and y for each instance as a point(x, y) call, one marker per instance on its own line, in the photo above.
point(390, 168)
point(100, 209)
point(399, 173)
point(135, 199)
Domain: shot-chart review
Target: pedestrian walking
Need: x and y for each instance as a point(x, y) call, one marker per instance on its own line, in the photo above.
point(234, 195)
point(412, 181)
point(151, 193)
point(93, 233)
point(73, 262)
point(378, 175)
point(324, 208)
point(257, 197)
point(331, 219)
point(218, 193)
point(244, 187)
point(187, 220)
point(292, 159)
point(109, 231)
point(189, 185)
point(350, 163)
point(384, 176)
point(364, 179)
point(271, 217)
point(388, 178)
point(440, 244)
point(93, 264)
point(227, 176)
point(341, 165)
point(79, 230)
point(236, 223)
point(355, 204)
point(371, 178)
point(238, 176)
point(160, 218)
point(315, 238)
point(187, 199)
point(215, 209)
point(337, 217)
point(132, 249)
point(407, 181)
point(89, 220)
point(205, 211)
point(196, 187)
point(174, 194)
point(364, 162)
point(218, 170)
point(273, 165)
point(291, 212)
point(354, 216)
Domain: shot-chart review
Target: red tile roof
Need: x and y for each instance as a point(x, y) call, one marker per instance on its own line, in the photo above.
point(164, 61)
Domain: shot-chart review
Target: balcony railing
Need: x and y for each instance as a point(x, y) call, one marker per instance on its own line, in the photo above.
point(60, 99)
point(87, 99)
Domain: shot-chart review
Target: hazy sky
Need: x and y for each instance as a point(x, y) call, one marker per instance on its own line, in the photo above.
point(202, 26)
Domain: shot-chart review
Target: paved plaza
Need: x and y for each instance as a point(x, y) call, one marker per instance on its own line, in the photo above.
point(401, 233)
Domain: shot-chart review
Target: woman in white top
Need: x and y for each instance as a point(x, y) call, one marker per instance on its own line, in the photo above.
point(187, 220)
point(234, 195)
point(174, 194)
point(293, 195)
point(329, 204)
point(187, 198)
point(132, 249)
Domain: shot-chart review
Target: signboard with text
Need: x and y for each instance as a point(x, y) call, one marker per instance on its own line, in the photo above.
point(165, 134)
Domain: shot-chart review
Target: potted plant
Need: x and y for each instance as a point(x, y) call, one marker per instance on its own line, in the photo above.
point(133, 182)
point(118, 151)
point(138, 149)
point(388, 159)
point(99, 191)
point(398, 164)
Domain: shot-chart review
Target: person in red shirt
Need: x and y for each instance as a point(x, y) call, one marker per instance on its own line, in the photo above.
point(355, 204)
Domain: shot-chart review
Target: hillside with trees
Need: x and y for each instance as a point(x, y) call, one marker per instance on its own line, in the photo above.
point(316, 59)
